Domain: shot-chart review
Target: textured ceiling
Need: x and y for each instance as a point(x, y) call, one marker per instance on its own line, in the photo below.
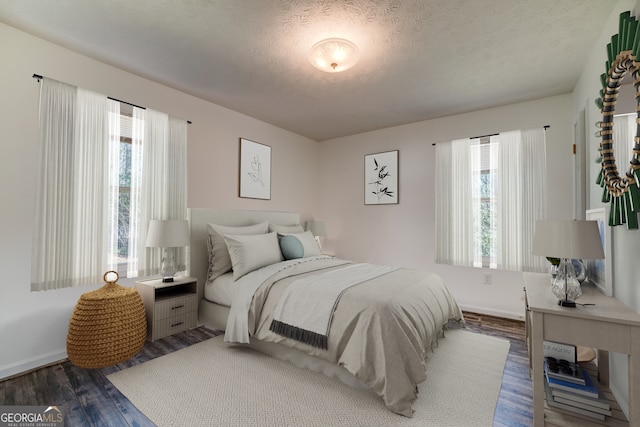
point(419, 59)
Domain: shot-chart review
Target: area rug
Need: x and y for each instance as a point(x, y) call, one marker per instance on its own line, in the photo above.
point(214, 384)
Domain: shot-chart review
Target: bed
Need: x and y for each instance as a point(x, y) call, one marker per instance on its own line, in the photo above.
point(378, 331)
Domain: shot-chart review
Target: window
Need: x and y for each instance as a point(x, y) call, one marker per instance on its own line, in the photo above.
point(124, 185)
point(106, 169)
point(484, 176)
point(489, 193)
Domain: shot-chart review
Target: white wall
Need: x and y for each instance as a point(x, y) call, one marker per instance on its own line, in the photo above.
point(403, 234)
point(625, 243)
point(33, 326)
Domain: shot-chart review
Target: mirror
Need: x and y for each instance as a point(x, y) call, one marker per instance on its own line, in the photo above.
point(620, 188)
point(624, 123)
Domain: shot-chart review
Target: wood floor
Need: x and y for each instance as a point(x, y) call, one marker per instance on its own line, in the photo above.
point(87, 398)
point(515, 404)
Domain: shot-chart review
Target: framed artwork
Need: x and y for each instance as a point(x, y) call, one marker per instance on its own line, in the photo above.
point(255, 170)
point(599, 271)
point(381, 178)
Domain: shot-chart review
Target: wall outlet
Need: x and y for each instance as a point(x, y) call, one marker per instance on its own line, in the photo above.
point(488, 278)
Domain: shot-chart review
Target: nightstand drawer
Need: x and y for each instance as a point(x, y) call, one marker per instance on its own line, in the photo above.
point(173, 325)
point(175, 306)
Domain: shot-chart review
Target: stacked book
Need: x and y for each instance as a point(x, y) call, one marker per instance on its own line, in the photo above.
point(569, 387)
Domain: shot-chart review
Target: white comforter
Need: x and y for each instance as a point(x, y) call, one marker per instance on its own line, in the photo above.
point(380, 331)
point(245, 287)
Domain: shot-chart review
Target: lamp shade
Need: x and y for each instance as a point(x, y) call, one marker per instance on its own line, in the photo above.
point(317, 228)
point(167, 233)
point(333, 55)
point(576, 239)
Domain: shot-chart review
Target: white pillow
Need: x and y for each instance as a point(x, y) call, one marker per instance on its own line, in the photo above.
point(251, 252)
point(285, 228)
point(219, 261)
point(309, 243)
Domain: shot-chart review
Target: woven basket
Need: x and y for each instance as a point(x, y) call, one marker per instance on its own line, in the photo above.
point(108, 326)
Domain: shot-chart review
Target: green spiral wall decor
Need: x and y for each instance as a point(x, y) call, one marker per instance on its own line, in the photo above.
point(621, 192)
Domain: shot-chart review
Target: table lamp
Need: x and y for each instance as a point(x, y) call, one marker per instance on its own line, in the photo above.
point(567, 240)
point(169, 235)
point(318, 229)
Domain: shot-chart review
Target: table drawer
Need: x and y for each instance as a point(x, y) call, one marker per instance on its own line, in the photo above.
point(175, 306)
point(589, 333)
point(172, 325)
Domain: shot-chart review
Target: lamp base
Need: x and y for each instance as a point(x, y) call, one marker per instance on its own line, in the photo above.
point(566, 303)
point(168, 269)
point(565, 286)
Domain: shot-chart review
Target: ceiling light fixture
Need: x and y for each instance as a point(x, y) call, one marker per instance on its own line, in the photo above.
point(333, 55)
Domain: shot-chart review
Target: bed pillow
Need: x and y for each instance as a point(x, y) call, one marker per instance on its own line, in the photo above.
point(219, 261)
point(251, 252)
point(309, 243)
point(291, 247)
point(285, 228)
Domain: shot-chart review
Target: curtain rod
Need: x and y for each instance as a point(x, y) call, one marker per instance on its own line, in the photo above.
point(38, 77)
point(545, 127)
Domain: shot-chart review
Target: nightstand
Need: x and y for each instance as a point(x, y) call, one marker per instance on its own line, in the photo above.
point(171, 307)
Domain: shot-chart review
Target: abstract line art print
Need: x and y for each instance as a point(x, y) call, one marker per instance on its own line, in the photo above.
point(255, 170)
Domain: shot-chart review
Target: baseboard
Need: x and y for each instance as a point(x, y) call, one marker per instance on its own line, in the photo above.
point(25, 366)
point(495, 313)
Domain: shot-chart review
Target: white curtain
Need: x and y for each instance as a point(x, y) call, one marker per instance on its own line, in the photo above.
point(161, 184)
point(113, 186)
point(76, 222)
point(69, 231)
point(454, 199)
point(518, 173)
point(137, 233)
point(522, 197)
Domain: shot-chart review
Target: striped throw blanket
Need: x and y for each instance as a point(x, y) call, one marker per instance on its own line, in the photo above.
point(306, 307)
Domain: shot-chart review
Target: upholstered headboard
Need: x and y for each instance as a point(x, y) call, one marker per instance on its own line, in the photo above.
point(197, 255)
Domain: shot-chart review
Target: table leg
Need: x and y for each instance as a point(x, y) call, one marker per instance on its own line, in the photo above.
point(537, 375)
point(634, 377)
point(603, 367)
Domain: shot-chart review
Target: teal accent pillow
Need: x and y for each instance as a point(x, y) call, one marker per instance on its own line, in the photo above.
point(291, 247)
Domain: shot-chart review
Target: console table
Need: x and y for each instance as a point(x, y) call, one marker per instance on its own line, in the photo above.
point(609, 325)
